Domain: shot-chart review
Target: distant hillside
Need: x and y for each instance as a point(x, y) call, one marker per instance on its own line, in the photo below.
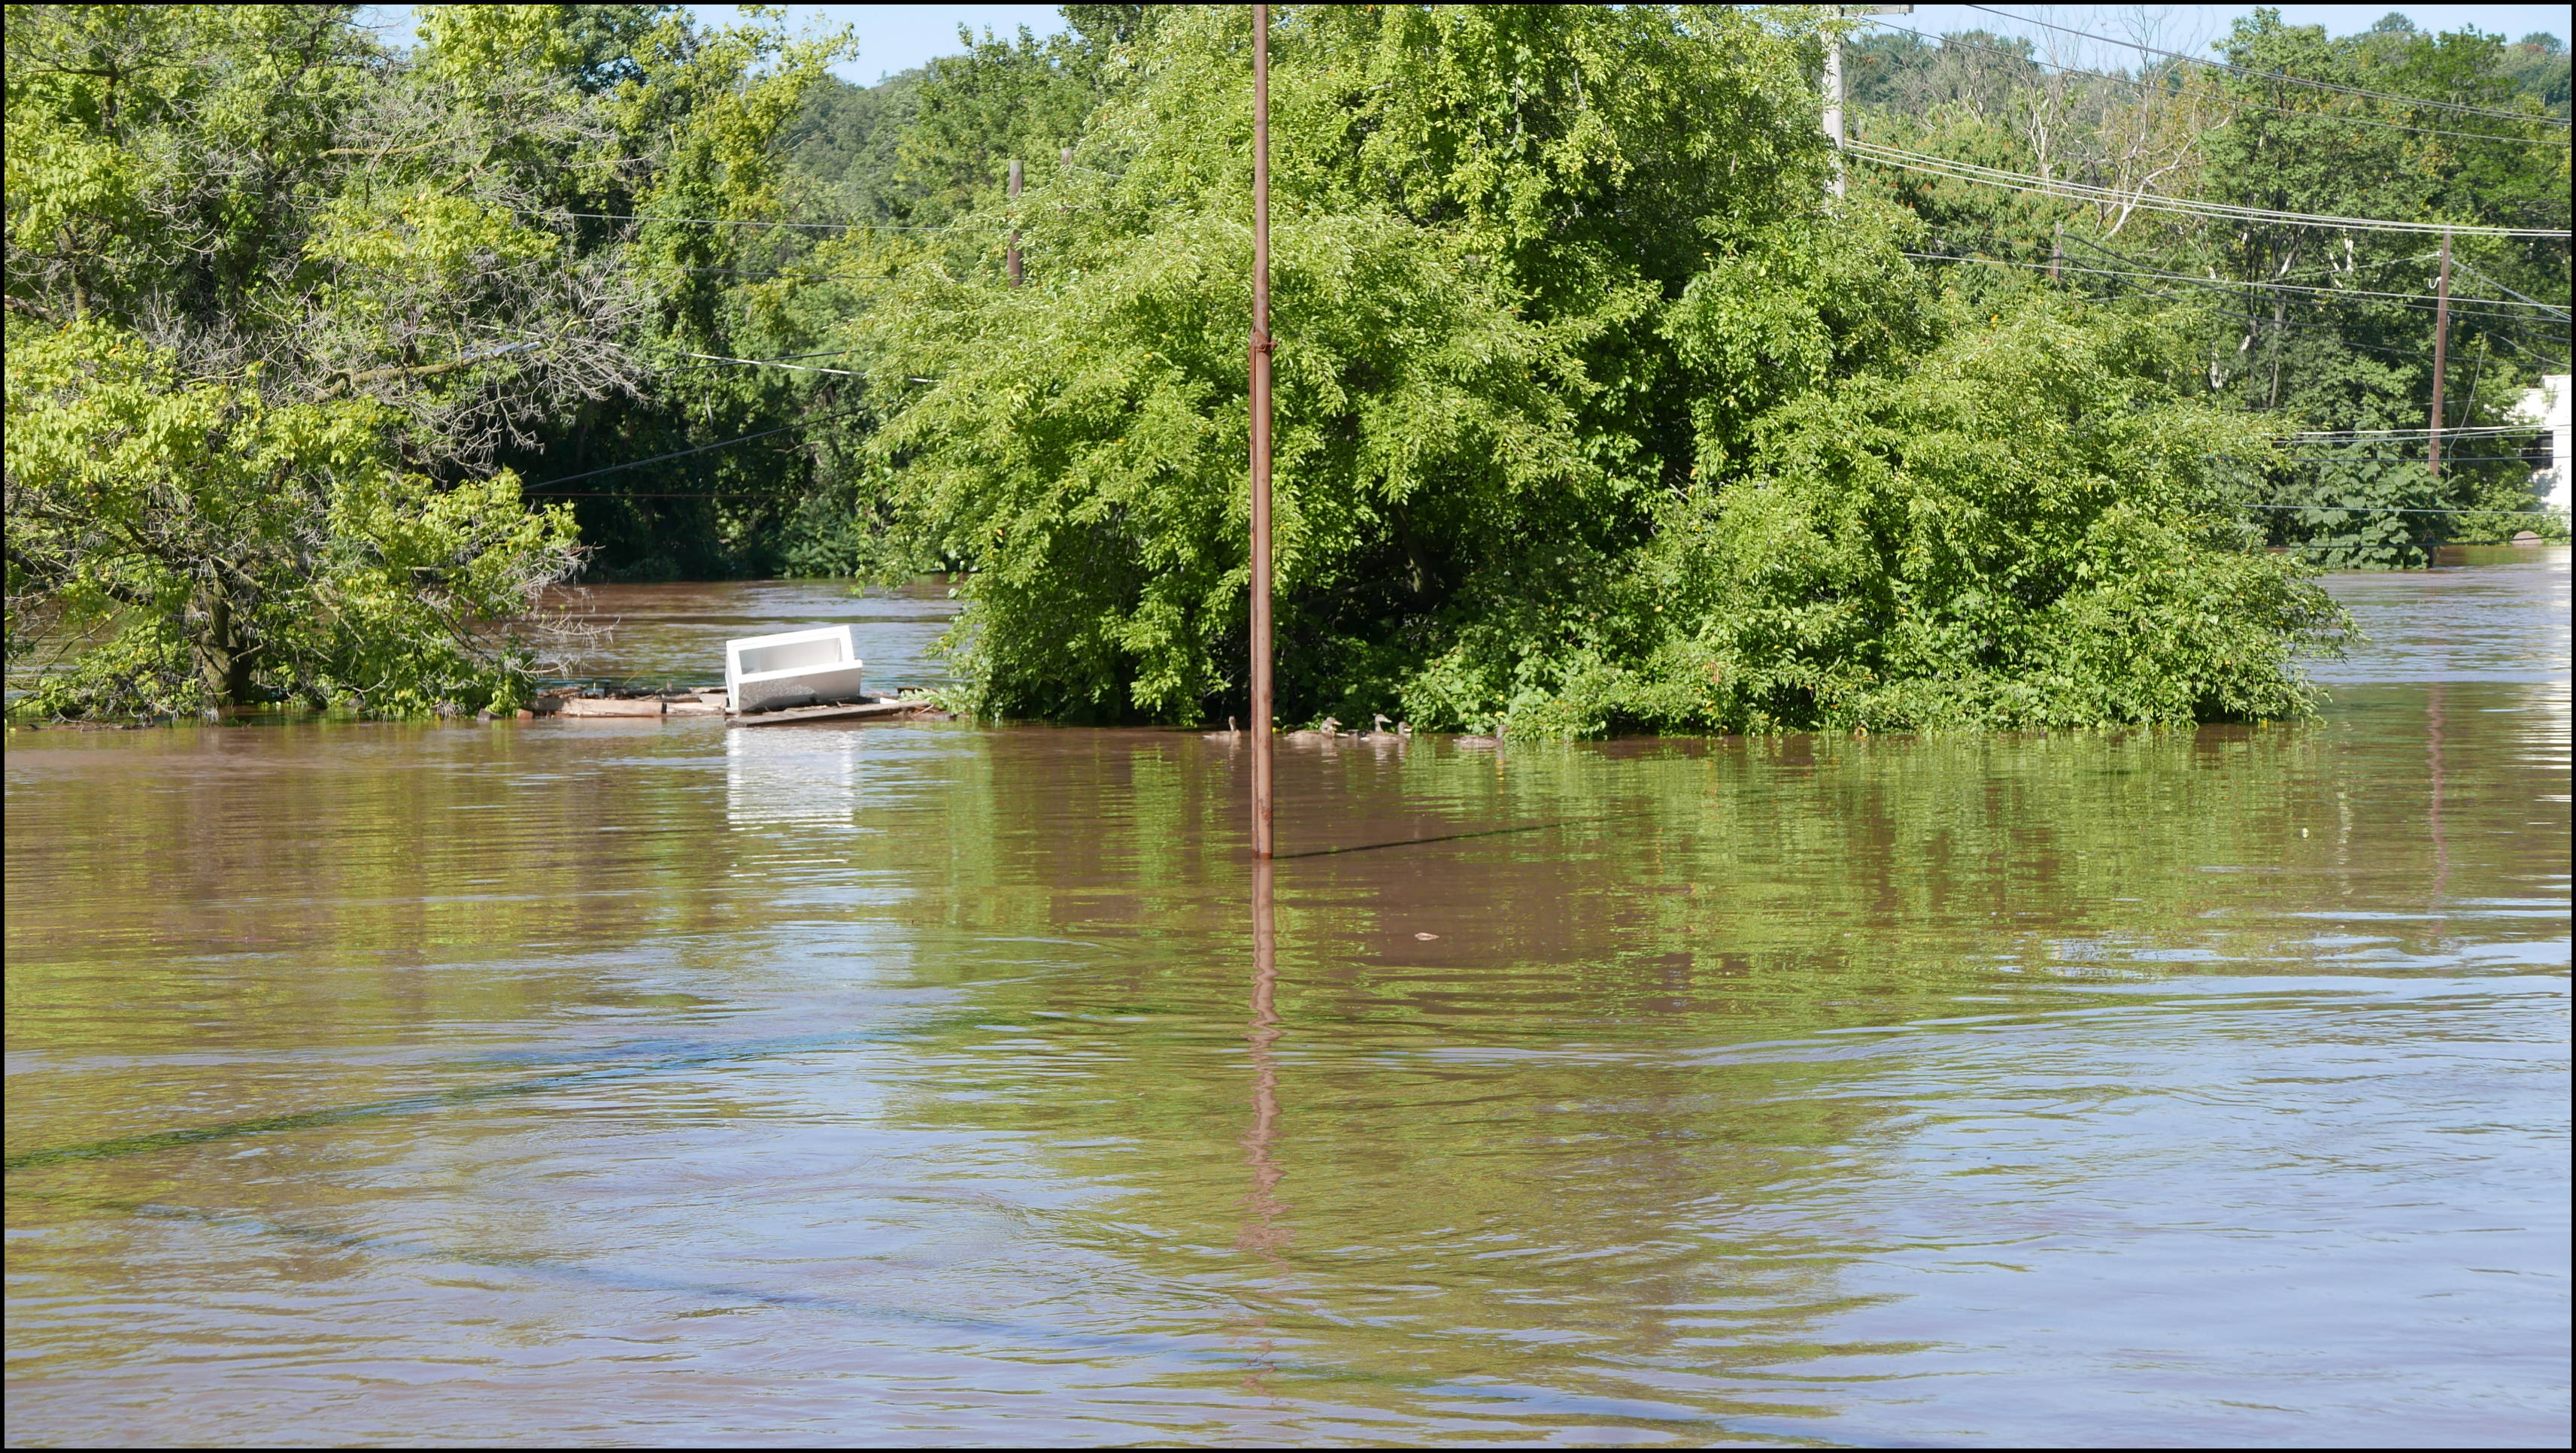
point(2538, 64)
point(844, 145)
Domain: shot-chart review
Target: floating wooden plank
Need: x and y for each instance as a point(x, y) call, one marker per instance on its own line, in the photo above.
point(837, 711)
point(612, 706)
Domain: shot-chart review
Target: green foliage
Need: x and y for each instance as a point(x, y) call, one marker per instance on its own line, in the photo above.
point(219, 548)
point(1883, 563)
point(368, 286)
point(975, 112)
point(1591, 416)
point(2537, 65)
point(1593, 413)
point(2360, 508)
point(275, 301)
point(2322, 330)
point(678, 180)
point(842, 146)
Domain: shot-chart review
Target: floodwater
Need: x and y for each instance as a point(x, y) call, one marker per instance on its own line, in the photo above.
point(627, 1082)
point(663, 636)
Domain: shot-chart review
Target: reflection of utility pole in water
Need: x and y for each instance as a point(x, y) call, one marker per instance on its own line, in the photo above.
point(1262, 1235)
point(1261, 1232)
point(2433, 758)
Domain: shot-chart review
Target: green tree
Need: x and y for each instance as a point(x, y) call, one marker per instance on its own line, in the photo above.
point(2331, 359)
point(272, 306)
point(1566, 329)
point(229, 548)
point(515, 247)
point(2328, 331)
point(680, 187)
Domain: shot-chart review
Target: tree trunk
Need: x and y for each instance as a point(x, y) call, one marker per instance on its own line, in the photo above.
point(224, 659)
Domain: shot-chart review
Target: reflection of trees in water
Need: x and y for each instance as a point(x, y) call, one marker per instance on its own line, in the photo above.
point(354, 880)
point(1594, 1110)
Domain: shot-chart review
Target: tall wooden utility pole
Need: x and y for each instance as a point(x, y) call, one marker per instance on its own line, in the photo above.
point(1019, 174)
point(1834, 99)
point(1261, 839)
point(2441, 357)
point(1834, 78)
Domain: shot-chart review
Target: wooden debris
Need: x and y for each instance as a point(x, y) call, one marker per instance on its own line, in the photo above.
point(604, 706)
point(880, 709)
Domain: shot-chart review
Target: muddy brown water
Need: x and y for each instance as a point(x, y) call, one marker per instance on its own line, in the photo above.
point(620, 1082)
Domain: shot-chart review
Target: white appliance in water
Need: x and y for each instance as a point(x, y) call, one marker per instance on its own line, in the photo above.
point(792, 668)
point(2547, 407)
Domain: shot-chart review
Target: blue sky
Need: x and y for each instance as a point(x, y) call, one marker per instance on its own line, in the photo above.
point(899, 37)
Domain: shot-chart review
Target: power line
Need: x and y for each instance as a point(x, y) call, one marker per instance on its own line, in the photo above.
point(2215, 284)
point(2526, 297)
point(2285, 325)
point(2143, 87)
point(700, 449)
point(2359, 434)
point(2091, 245)
point(672, 494)
point(2362, 544)
point(2300, 324)
point(2387, 510)
point(2283, 76)
point(744, 222)
point(777, 363)
point(759, 362)
point(2224, 211)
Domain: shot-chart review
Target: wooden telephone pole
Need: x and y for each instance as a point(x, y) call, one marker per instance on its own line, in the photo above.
point(1261, 837)
point(1834, 80)
point(1019, 175)
point(2441, 359)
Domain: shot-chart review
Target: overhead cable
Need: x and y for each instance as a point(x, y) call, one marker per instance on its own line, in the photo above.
point(2283, 76)
point(2414, 433)
point(752, 222)
point(2385, 510)
point(2492, 282)
point(1915, 161)
point(2217, 284)
point(777, 363)
point(2526, 300)
point(700, 449)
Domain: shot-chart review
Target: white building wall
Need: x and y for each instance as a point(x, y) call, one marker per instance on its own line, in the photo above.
point(2547, 406)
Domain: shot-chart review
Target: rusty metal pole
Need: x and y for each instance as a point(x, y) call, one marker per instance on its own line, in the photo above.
point(1019, 174)
point(2441, 358)
point(1261, 838)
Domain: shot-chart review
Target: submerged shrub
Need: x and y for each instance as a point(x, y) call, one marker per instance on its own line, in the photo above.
point(2023, 531)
